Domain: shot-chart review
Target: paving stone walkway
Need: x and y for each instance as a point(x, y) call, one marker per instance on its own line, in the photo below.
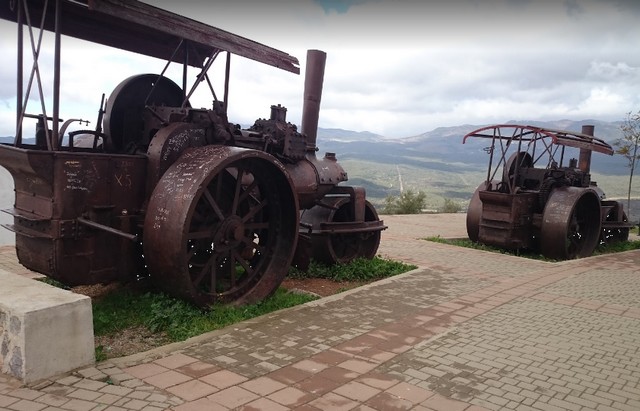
point(468, 330)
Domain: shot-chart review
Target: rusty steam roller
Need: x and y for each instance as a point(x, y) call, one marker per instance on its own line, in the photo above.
point(536, 196)
point(212, 212)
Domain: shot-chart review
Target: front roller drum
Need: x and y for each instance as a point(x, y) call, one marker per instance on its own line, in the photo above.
point(221, 226)
point(338, 238)
point(570, 223)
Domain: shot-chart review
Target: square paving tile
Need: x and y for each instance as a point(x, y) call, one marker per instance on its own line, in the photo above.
point(223, 379)
point(357, 391)
point(192, 390)
point(291, 397)
point(175, 360)
point(167, 379)
point(198, 369)
point(263, 385)
point(233, 397)
point(143, 371)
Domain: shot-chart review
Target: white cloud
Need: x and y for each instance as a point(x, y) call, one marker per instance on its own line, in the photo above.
point(403, 67)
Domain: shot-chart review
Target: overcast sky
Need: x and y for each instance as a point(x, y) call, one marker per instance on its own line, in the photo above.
point(396, 68)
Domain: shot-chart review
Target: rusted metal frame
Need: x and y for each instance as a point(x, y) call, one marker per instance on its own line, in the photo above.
point(226, 81)
point(492, 149)
point(350, 227)
point(206, 73)
point(533, 151)
point(529, 130)
point(512, 181)
point(158, 20)
point(554, 154)
point(213, 92)
point(105, 228)
point(20, 54)
point(201, 76)
point(165, 68)
point(56, 79)
point(547, 149)
point(35, 72)
point(503, 152)
point(561, 137)
point(582, 140)
point(185, 64)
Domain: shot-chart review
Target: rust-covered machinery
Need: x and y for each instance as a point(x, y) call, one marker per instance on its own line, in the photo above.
point(537, 196)
point(214, 213)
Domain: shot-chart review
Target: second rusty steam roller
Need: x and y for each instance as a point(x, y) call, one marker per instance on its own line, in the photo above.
point(538, 193)
point(213, 212)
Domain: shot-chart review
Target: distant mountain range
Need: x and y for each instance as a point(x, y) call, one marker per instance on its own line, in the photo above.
point(444, 147)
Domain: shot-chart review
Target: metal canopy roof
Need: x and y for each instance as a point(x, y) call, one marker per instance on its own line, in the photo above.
point(530, 133)
point(140, 28)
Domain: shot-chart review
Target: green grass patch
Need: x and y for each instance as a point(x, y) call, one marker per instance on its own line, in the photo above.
point(178, 319)
point(467, 243)
point(359, 270)
point(618, 247)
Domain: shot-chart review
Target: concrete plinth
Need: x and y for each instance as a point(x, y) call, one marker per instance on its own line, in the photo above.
point(44, 331)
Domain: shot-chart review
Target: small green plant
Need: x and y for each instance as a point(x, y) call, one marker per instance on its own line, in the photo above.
point(450, 206)
point(407, 203)
point(361, 269)
point(100, 354)
point(53, 283)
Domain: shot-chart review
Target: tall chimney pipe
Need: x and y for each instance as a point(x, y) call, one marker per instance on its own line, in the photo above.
point(313, 79)
point(584, 162)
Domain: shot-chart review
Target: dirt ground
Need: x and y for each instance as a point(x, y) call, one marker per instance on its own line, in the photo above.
point(139, 339)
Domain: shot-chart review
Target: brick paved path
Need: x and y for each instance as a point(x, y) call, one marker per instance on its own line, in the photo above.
point(468, 330)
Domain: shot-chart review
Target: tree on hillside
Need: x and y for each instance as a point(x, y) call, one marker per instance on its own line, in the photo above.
point(407, 203)
point(627, 146)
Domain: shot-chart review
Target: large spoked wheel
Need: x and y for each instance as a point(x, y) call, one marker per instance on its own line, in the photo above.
point(221, 226)
point(474, 213)
point(332, 248)
point(570, 224)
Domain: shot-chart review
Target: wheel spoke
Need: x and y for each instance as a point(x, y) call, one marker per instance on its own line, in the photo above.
point(257, 226)
point(254, 210)
point(247, 191)
point(200, 235)
point(210, 267)
point(245, 264)
point(213, 203)
point(236, 193)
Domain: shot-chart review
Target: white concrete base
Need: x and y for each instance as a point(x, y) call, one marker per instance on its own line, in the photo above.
point(44, 330)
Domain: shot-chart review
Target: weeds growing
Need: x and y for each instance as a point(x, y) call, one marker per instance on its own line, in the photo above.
point(361, 269)
point(601, 249)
